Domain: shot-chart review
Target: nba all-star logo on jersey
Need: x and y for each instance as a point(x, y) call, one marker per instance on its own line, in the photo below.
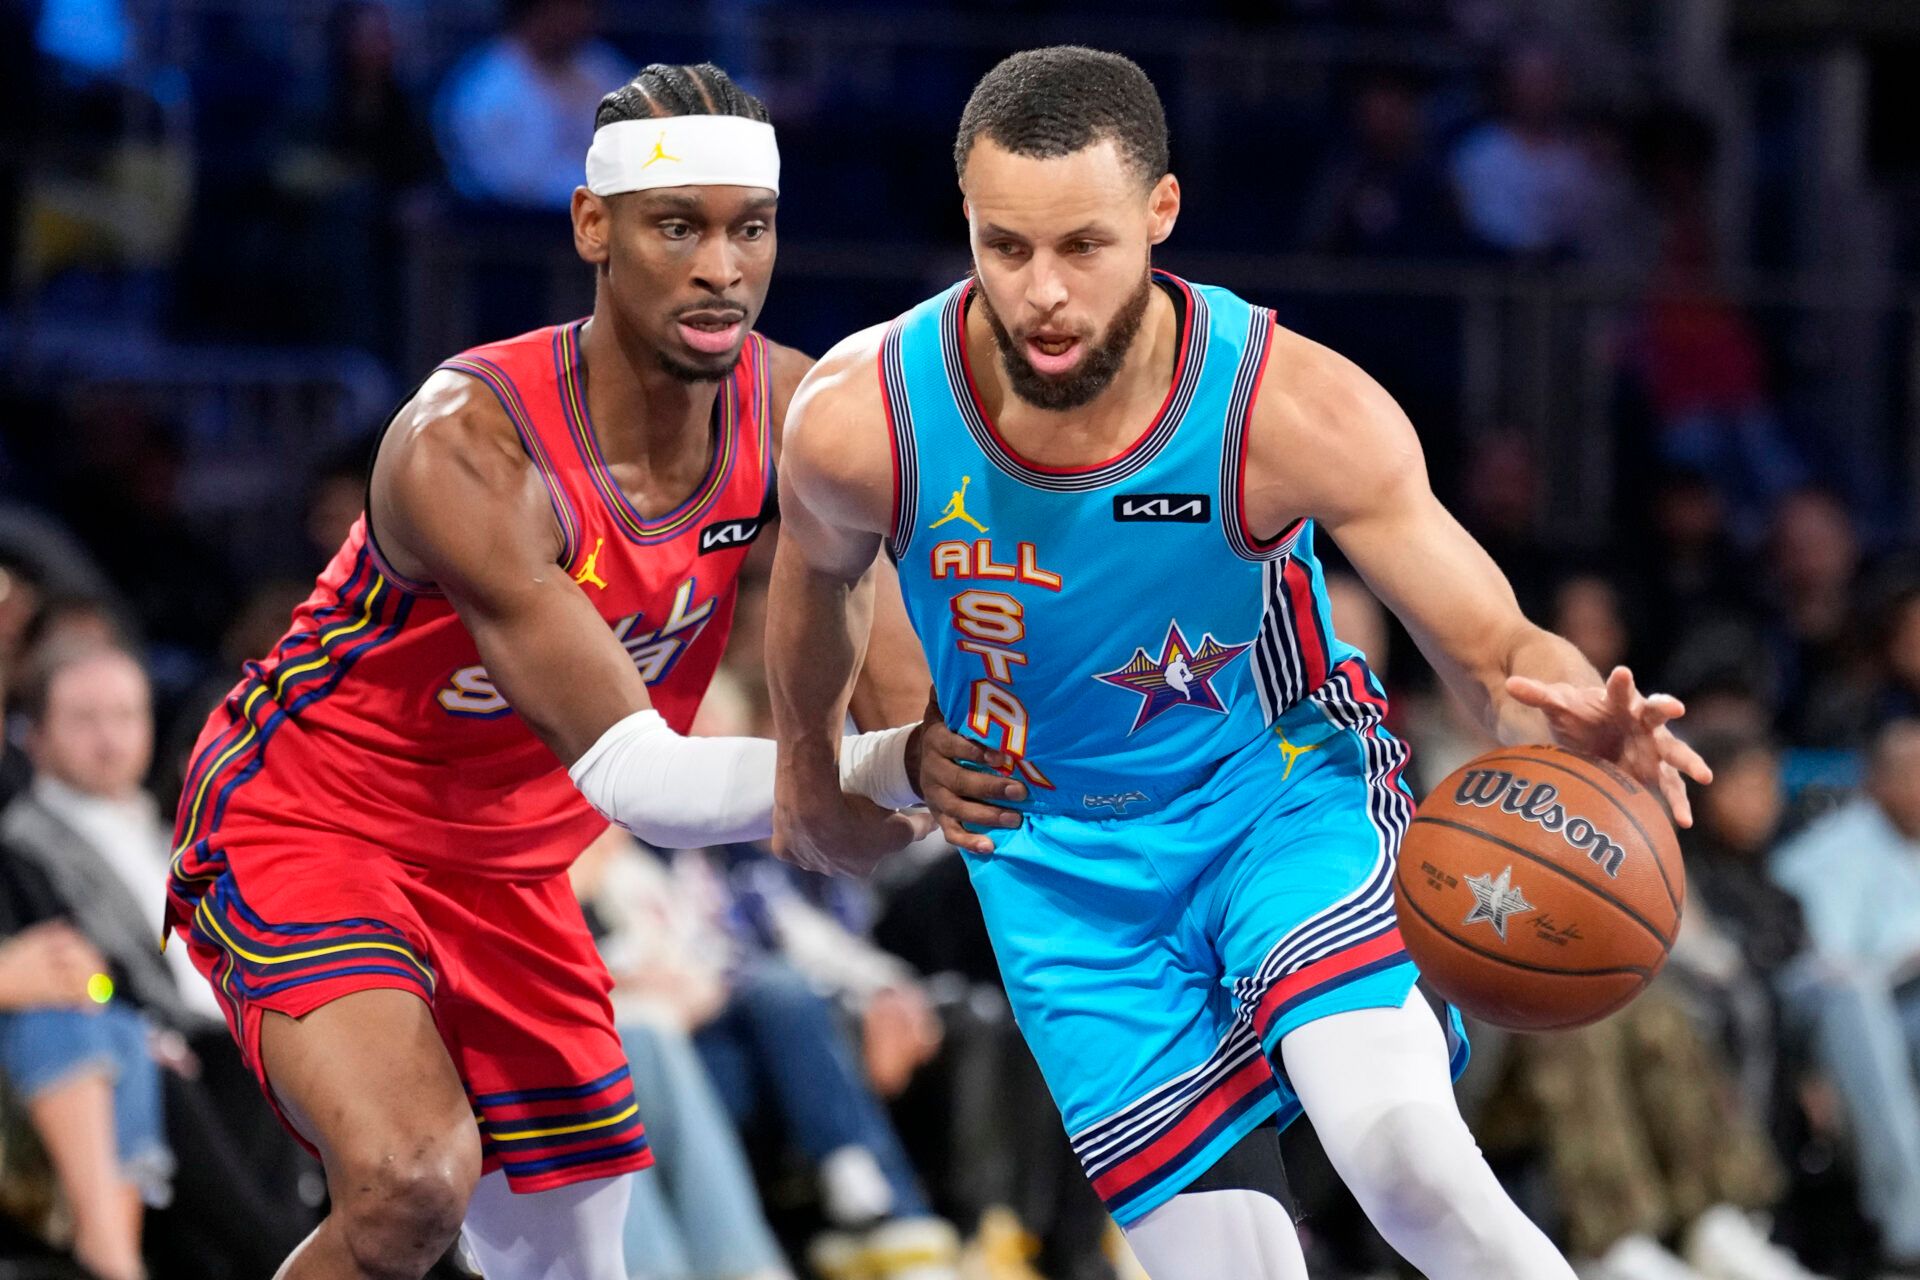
point(1182, 676)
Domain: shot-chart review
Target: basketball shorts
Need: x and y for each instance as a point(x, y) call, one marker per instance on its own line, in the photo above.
point(298, 918)
point(1155, 963)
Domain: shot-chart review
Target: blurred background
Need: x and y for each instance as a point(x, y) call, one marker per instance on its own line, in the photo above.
point(1645, 274)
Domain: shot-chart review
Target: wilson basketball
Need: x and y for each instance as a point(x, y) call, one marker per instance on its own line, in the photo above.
point(1540, 889)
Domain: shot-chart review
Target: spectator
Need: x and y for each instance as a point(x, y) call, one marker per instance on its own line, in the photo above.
point(515, 117)
point(1587, 611)
point(715, 956)
point(1856, 873)
point(91, 1089)
point(1815, 559)
point(360, 169)
point(1643, 1140)
point(696, 1216)
point(90, 831)
point(1693, 571)
point(1524, 184)
point(988, 1132)
point(1898, 691)
point(367, 121)
point(1699, 360)
point(1385, 195)
point(778, 1053)
point(1745, 953)
point(1848, 705)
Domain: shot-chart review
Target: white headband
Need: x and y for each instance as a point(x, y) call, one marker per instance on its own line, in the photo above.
point(683, 151)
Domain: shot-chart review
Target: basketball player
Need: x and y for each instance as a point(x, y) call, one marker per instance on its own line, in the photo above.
point(1196, 926)
point(373, 840)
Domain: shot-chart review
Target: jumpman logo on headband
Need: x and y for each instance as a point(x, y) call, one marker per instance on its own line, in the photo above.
point(956, 508)
point(660, 151)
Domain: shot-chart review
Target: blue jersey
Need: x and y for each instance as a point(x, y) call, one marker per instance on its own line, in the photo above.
point(1117, 629)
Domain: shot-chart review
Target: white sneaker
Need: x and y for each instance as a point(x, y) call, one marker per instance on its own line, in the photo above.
point(1636, 1258)
point(1725, 1244)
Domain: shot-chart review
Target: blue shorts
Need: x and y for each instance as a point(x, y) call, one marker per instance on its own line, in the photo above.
point(44, 1048)
point(1154, 963)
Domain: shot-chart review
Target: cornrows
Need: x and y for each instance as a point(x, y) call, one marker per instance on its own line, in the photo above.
point(660, 89)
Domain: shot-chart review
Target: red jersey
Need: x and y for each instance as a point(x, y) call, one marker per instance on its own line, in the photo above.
point(374, 716)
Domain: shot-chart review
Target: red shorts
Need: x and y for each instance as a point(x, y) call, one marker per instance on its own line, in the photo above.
point(298, 918)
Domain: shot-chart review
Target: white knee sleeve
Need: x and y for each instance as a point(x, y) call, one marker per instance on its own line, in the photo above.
point(1377, 1085)
point(569, 1233)
point(1207, 1235)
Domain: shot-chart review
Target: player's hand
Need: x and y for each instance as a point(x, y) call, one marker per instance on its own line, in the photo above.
point(959, 794)
point(846, 834)
point(1617, 722)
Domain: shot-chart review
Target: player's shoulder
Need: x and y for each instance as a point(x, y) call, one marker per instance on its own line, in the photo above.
point(1311, 395)
point(450, 466)
point(453, 421)
point(1319, 422)
point(847, 377)
point(840, 400)
point(837, 449)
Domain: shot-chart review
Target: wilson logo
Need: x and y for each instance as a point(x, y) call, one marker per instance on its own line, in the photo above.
point(1537, 802)
point(1172, 508)
point(729, 534)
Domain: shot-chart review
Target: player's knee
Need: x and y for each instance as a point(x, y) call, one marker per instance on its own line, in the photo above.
point(1419, 1172)
point(402, 1198)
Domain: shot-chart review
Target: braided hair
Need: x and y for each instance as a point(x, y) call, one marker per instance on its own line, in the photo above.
point(660, 89)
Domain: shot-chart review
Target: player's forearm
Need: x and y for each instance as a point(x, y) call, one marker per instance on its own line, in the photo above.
point(893, 682)
point(815, 638)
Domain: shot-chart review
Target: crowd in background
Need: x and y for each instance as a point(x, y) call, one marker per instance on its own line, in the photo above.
point(828, 1070)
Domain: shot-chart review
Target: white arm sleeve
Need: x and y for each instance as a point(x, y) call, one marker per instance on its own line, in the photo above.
point(676, 792)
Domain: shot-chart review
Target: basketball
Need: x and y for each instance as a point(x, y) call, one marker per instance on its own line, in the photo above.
point(1539, 889)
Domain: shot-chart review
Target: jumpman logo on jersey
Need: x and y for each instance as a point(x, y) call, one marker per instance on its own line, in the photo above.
point(1291, 752)
point(589, 576)
point(956, 508)
point(660, 151)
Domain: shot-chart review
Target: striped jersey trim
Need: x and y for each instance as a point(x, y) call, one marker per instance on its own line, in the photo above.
point(1350, 700)
point(906, 456)
point(258, 959)
point(503, 388)
point(1233, 451)
point(552, 1133)
point(571, 366)
point(1115, 1138)
point(1291, 655)
point(270, 696)
point(1186, 380)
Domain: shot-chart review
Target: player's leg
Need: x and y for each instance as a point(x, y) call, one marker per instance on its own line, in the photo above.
point(1378, 1087)
point(1303, 913)
point(572, 1232)
point(1233, 1220)
point(367, 1081)
point(533, 1037)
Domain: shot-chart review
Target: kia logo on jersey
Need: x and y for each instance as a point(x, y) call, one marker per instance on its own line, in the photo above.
point(1174, 508)
point(728, 534)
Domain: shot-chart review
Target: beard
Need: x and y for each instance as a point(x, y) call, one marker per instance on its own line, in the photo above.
point(1096, 370)
point(683, 371)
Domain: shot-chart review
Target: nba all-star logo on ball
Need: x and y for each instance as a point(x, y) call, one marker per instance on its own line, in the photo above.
point(1538, 803)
